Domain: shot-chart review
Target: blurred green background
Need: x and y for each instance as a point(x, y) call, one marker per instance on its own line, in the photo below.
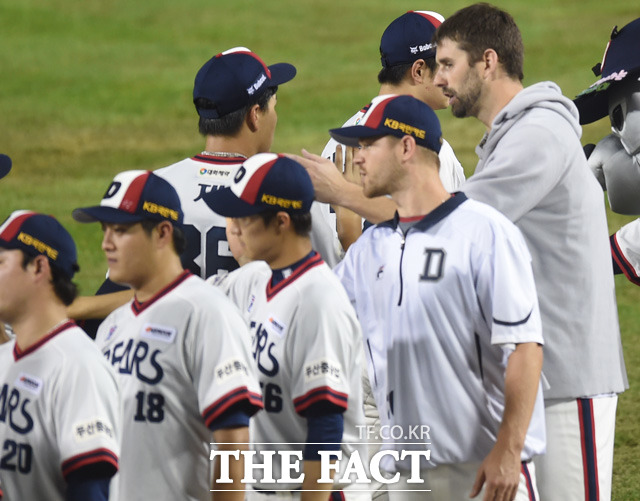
point(89, 88)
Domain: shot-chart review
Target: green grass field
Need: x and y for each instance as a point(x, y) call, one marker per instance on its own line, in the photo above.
point(90, 88)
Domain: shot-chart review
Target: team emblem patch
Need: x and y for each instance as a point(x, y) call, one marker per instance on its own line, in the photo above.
point(159, 332)
point(32, 384)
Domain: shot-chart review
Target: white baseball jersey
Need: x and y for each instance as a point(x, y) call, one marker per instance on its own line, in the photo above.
point(182, 359)
point(59, 411)
point(307, 347)
point(625, 248)
point(441, 309)
point(207, 251)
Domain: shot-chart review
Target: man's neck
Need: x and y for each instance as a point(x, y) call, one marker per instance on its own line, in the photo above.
point(292, 251)
point(43, 319)
point(163, 276)
point(499, 94)
point(420, 197)
point(230, 145)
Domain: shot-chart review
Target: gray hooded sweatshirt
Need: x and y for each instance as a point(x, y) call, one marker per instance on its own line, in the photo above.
point(532, 168)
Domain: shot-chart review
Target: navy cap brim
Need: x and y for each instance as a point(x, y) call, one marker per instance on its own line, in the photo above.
point(5, 165)
point(593, 105)
point(281, 73)
point(102, 214)
point(350, 136)
point(224, 202)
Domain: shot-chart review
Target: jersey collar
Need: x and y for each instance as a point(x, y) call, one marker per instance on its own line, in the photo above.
point(312, 260)
point(137, 307)
point(434, 217)
point(18, 353)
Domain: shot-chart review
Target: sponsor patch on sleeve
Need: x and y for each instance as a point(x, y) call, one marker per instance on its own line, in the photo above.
point(230, 369)
point(327, 369)
point(92, 428)
point(159, 332)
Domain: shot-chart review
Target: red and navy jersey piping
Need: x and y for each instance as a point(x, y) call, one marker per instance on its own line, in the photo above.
point(318, 394)
point(137, 307)
point(18, 353)
point(623, 264)
point(310, 262)
point(89, 458)
point(216, 409)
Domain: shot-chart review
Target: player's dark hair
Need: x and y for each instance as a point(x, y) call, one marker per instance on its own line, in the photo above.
point(63, 287)
point(301, 222)
point(231, 123)
point(179, 238)
point(480, 27)
point(394, 75)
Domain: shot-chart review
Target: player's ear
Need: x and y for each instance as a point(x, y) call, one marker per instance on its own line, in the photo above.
point(419, 71)
point(164, 231)
point(253, 118)
point(41, 268)
point(283, 221)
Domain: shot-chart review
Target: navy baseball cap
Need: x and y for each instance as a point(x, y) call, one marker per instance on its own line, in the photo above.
point(232, 78)
point(134, 196)
point(5, 165)
point(621, 60)
point(408, 38)
point(265, 182)
point(395, 115)
point(36, 234)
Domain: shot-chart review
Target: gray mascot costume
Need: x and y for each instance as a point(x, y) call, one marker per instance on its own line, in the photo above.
point(615, 160)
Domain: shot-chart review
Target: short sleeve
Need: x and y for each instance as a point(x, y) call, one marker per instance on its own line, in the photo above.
point(322, 353)
point(220, 361)
point(506, 288)
point(87, 414)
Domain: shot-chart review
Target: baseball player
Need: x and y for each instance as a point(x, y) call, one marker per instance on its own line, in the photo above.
point(532, 169)
point(454, 344)
point(408, 67)
point(180, 349)
point(59, 405)
point(234, 94)
point(306, 338)
point(615, 160)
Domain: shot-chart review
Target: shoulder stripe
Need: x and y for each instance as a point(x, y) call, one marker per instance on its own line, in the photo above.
point(217, 408)
point(322, 393)
point(87, 458)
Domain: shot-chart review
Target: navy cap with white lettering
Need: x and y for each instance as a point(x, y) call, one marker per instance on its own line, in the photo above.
point(38, 234)
point(621, 60)
point(134, 196)
point(265, 182)
point(408, 38)
point(395, 115)
point(231, 79)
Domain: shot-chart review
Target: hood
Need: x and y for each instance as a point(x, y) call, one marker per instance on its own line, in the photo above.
point(545, 95)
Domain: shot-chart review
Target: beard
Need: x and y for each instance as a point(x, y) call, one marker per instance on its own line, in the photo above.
point(467, 99)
